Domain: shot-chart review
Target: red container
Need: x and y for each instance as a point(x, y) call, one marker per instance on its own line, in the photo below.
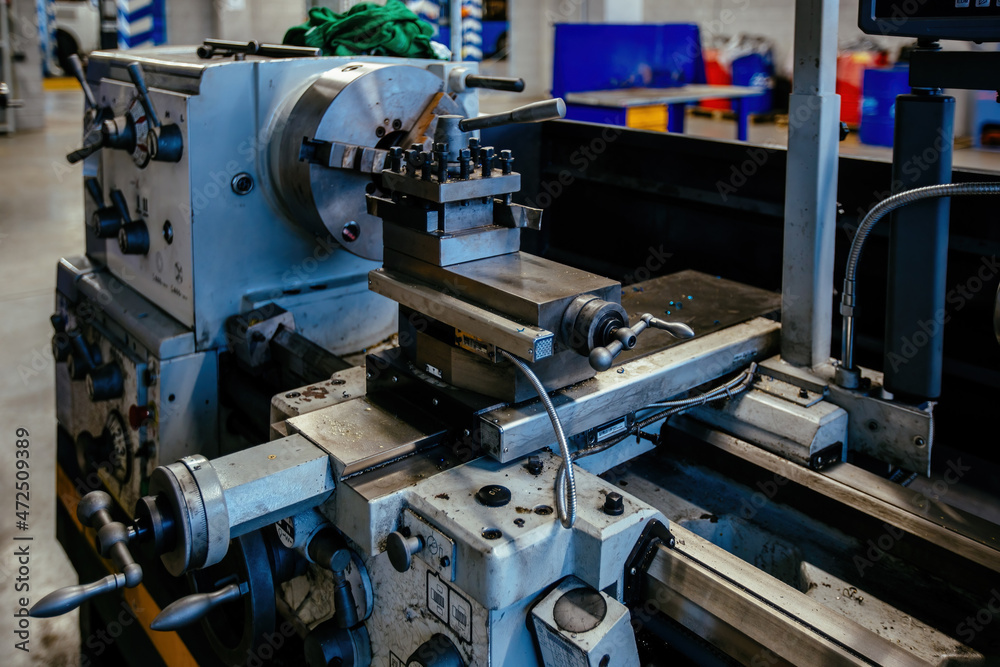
point(716, 75)
point(851, 66)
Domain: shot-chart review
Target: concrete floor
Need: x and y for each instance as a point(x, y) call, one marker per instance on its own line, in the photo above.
point(41, 208)
point(41, 205)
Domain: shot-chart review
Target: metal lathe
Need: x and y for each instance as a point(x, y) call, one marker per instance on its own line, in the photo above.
point(342, 380)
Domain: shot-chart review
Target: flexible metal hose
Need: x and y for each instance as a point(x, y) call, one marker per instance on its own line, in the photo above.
point(736, 386)
point(565, 477)
point(879, 211)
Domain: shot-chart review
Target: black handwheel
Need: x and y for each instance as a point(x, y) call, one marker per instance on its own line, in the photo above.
point(237, 629)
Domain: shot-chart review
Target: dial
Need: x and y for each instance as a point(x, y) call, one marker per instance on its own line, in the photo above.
point(119, 447)
point(140, 126)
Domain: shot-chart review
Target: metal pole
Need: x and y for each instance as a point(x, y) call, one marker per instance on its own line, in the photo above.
point(811, 187)
point(918, 248)
point(455, 21)
point(6, 68)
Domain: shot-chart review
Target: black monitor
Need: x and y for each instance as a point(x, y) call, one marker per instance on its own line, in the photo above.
point(967, 20)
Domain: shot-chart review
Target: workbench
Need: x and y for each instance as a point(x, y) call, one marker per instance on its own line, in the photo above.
point(672, 101)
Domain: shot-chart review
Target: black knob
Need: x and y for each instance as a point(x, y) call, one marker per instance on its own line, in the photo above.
point(83, 357)
point(614, 504)
point(167, 144)
point(534, 465)
point(133, 238)
point(105, 382)
point(61, 347)
point(493, 495)
point(106, 222)
point(438, 651)
point(401, 550)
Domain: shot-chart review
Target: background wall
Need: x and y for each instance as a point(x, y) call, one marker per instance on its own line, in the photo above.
point(191, 21)
point(773, 19)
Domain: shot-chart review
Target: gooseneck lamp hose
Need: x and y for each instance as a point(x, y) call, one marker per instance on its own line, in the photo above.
point(566, 491)
point(879, 211)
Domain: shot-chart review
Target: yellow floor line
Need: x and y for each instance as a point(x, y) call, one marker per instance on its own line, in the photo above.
point(169, 644)
point(60, 83)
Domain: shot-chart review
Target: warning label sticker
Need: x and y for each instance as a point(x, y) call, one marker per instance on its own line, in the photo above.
point(461, 615)
point(437, 596)
point(449, 605)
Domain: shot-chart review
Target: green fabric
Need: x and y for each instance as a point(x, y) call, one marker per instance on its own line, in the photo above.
point(365, 29)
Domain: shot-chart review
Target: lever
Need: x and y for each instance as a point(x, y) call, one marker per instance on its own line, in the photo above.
point(5, 99)
point(118, 200)
point(76, 69)
point(328, 551)
point(625, 338)
point(94, 189)
point(530, 113)
point(139, 80)
point(91, 144)
point(83, 357)
point(194, 607)
point(112, 539)
point(507, 83)
point(69, 598)
point(226, 47)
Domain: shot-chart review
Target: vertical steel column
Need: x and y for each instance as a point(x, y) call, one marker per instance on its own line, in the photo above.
point(455, 23)
point(918, 247)
point(6, 67)
point(811, 187)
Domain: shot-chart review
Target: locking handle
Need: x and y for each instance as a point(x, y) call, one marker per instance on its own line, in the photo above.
point(625, 338)
point(529, 113)
point(194, 607)
point(112, 541)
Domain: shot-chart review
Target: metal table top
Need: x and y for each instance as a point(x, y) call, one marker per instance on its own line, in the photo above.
point(633, 97)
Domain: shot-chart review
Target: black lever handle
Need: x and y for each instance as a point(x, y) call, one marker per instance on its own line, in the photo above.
point(93, 187)
point(91, 144)
point(507, 83)
point(625, 338)
point(69, 598)
point(228, 47)
point(118, 201)
point(112, 536)
point(112, 540)
point(194, 607)
point(76, 69)
point(529, 113)
point(327, 550)
point(139, 80)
